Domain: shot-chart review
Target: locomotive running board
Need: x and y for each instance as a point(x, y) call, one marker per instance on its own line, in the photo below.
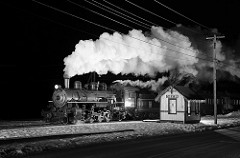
point(91, 102)
point(88, 102)
point(83, 102)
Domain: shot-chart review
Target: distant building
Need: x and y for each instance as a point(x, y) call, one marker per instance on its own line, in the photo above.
point(179, 104)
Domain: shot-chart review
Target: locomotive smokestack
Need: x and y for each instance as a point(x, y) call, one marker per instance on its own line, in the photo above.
point(66, 81)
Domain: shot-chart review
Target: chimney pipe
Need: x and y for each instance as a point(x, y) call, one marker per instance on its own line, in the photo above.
point(66, 81)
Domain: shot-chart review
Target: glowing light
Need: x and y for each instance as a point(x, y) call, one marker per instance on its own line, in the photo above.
point(207, 122)
point(57, 86)
point(128, 104)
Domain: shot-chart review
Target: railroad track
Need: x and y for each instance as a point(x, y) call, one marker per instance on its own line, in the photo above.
point(54, 137)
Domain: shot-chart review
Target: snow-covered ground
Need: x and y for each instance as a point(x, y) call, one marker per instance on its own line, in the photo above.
point(84, 134)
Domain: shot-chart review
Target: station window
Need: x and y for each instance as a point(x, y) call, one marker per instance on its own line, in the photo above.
point(127, 95)
point(132, 94)
point(188, 107)
point(139, 103)
point(197, 108)
point(150, 104)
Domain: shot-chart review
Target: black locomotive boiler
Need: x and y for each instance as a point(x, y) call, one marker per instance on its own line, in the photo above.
point(91, 103)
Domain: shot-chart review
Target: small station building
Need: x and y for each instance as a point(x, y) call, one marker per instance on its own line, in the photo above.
point(179, 104)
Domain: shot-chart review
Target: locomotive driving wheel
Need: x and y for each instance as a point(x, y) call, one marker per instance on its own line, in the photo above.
point(100, 118)
point(91, 120)
point(107, 119)
point(74, 121)
point(48, 117)
point(65, 120)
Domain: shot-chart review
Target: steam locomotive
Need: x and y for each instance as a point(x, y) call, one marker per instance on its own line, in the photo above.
point(96, 103)
point(93, 103)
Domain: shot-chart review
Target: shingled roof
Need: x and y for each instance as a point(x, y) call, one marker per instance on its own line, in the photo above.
point(185, 91)
point(188, 93)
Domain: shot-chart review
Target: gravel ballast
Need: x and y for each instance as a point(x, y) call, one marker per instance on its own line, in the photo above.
point(43, 138)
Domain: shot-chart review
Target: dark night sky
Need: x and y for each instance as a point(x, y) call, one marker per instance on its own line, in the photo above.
point(35, 40)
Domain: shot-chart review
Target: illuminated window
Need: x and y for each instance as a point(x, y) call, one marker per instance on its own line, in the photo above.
point(189, 107)
point(127, 94)
point(197, 108)
point(132, 94)
point(129, 103)
point(172, 106)
point(141, 104)
point(150, 104)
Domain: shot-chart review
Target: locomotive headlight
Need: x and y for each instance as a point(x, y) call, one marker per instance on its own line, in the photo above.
point(57, 86)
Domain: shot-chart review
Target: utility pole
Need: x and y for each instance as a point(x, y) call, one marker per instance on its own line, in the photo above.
point(215, 75)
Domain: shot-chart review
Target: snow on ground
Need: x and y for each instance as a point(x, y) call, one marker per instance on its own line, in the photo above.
point(85, 134)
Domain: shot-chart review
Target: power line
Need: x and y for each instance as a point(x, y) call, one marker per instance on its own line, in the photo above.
point(64, 12)
point(181, 14)
point(227, 64)
point(150, 12)
point(86, 8)
point(146, 10)
point(164, 19)
point(101, 37)
point(132, 28)
point(59, 10)
point(112, 12)
point(131, 21)
point(130, 13)
point(204, 26)
point(142, 18)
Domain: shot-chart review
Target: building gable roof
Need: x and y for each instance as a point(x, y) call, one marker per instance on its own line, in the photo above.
point(188, 93)
point(185, 91)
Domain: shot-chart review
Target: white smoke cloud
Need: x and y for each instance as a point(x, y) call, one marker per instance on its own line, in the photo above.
point(134, 53)
point(219, 53)
point(227, 63)
point(152, 84)
point(228, 57)
point(233, 67)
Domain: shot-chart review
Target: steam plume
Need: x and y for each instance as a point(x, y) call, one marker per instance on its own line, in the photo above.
point(134, 53)
point(228, 58)
point(149, 84)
